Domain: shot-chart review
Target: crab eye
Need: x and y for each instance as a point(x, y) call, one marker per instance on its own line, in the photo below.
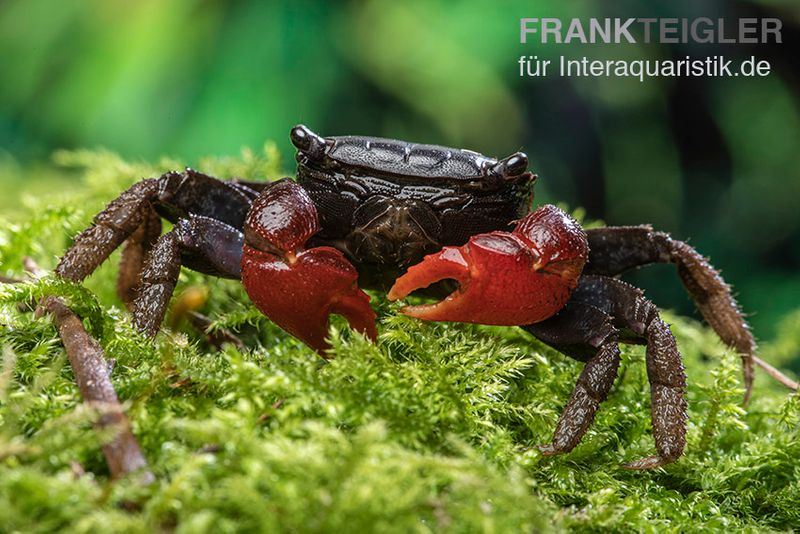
point(513, 165)
point(301, 137)
point(309, 143)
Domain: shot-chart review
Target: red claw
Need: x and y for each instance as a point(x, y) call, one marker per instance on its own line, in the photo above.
point(515, 278)
point(297, 288)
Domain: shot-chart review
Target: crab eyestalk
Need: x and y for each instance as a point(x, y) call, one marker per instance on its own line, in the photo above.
point(505, 278)
point(298, 288)
point(307, 142)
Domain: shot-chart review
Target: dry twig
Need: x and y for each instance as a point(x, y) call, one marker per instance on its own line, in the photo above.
point(89, 364)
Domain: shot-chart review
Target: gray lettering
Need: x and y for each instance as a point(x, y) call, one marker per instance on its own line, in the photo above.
point(748, 27)
point(646, 25)
point(524, 30)
point(622, 29)
point(670, 30)
point(721, 33)
point(665, 25)
point(575, 31)
point(705, 35)
point(771, 26)
point(603, 31)
point(551, 26)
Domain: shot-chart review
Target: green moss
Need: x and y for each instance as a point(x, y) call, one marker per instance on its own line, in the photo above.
point(430, 429)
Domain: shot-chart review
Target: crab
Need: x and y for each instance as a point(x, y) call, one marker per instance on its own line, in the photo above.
point(448, 223)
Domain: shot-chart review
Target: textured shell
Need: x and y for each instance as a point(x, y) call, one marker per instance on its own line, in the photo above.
point(388, 156)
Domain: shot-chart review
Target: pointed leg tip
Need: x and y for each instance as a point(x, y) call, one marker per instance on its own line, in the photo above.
point(649, 462)
point(747, 364)
point(547, 449)
point(748, 393)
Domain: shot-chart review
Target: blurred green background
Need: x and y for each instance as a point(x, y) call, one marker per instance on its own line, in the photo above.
point(712, 160)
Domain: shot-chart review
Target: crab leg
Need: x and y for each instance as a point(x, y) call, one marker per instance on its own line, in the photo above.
point(602, 311)
point(588, 334)
point(137, 246)
point(298, 288)
point(131, 216)
point(505, 278)
point(109, 229)
point(617, 249)
point(206, 244)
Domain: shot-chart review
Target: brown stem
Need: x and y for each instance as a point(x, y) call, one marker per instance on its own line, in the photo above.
point(90, 367)
point(218, 337)
point(774, 373)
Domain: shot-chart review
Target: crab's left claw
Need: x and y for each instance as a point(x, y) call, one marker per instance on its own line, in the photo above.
point(299, 287)
point(505, 278)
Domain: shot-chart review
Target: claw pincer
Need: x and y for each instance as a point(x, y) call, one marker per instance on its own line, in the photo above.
point(295, 287)
point(505, 278)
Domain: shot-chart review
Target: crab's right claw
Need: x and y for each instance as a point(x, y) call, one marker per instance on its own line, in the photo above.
point(298, 288)
point(515, 278)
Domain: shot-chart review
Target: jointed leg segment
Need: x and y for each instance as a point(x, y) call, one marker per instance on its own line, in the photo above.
point(137, 246)
point(200, 241)
point(206, 213)
point(111, 227)
point(614, 250)
point(588, 334)
point(600, 311)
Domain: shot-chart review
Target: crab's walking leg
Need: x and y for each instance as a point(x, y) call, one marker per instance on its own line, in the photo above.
point(296, 287)
point(176, 195)
point(585, 333)
point(137, 246)
point(634, 313)
point(207, 214)
point(630, 312)
point(110, 228)
point(204, 244)
point(86, 357)
point(616, 249)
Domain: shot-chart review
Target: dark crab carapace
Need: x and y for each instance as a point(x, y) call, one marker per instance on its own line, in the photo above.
point(390, 215)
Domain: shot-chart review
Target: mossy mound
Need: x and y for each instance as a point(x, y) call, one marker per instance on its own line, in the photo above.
point(430, 429)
